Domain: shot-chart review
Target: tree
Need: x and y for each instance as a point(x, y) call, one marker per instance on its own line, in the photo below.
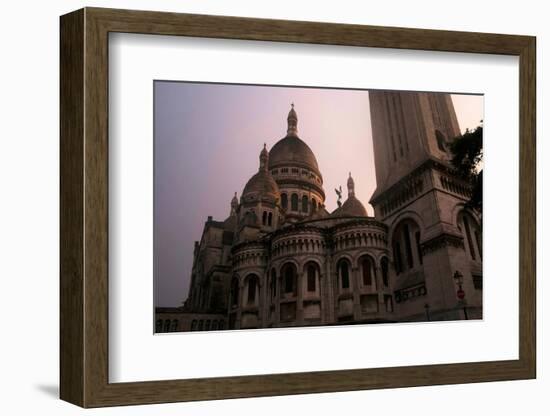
point(467, 151)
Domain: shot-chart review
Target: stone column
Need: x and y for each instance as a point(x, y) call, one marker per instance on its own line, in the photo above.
point(355, 276)
point(262, 321)
point(300, 296)
point(329, 295)
point(380, 290)
point(239, 305)
point(277, 312)
point(323, 304)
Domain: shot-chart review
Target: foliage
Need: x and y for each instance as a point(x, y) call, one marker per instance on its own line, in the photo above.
point(467, 151)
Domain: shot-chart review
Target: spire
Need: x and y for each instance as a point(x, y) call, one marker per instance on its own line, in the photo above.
point(264, 158)
point(234, 204)
point(351, 186)
point(292, 122)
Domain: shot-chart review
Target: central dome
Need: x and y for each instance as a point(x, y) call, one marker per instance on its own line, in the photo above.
point(291, 150)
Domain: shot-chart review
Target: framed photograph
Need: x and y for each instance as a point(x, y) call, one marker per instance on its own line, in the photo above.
point(262, 207)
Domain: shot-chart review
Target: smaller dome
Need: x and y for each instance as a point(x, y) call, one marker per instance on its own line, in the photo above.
point(261, 183)
point(351, 208)
point(354, 207)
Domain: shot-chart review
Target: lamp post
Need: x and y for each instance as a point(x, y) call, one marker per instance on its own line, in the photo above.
point(460, 294)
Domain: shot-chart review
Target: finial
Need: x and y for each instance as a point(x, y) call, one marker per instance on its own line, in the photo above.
point(292, 104)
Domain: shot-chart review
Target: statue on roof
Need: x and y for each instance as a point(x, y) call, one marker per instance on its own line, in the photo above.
point(339, 193)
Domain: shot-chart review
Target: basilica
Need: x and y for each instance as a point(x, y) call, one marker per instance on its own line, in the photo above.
point(281, 259)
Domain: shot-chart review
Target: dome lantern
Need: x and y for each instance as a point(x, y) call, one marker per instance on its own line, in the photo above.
point(234, 204)
point(264, 158)
point(292, 120)
point(351, 186)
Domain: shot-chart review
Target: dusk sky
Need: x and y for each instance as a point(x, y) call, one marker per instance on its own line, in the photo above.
point(207, 141)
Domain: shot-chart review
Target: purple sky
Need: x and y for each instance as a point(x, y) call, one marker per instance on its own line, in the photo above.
point(207, 141)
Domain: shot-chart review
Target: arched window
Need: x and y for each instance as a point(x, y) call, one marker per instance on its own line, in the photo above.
point(273, 284)
point(294, 202)
point(222, 325)
point(252, 285)
point(264, 218)
point(201, 324)
point(207, 325)
point(289, 279)
point(312, 274)
point(406, 256)
point(174, 325)
point(471, 233)
point(305, 203)
point(313, 205)
point(441, 142)
point(343, 273)
point(167, 325)
point(385, 268)
point(158, 326)
point(194, 325)
point(214, 325)
point(284, 201)
point(270, 219)
point(367, 271)
point(234, 292)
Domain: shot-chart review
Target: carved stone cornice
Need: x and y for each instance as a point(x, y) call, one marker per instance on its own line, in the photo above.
point(403, 188)
point(250, 245)
point(441, 241)
point(359, 222)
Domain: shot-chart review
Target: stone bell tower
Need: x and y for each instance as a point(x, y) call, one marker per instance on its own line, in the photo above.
point(421, 200)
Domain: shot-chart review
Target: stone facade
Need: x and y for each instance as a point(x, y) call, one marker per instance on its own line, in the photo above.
point(281, 259)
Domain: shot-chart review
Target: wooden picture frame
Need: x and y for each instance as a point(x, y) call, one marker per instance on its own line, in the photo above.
point(84, 207)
